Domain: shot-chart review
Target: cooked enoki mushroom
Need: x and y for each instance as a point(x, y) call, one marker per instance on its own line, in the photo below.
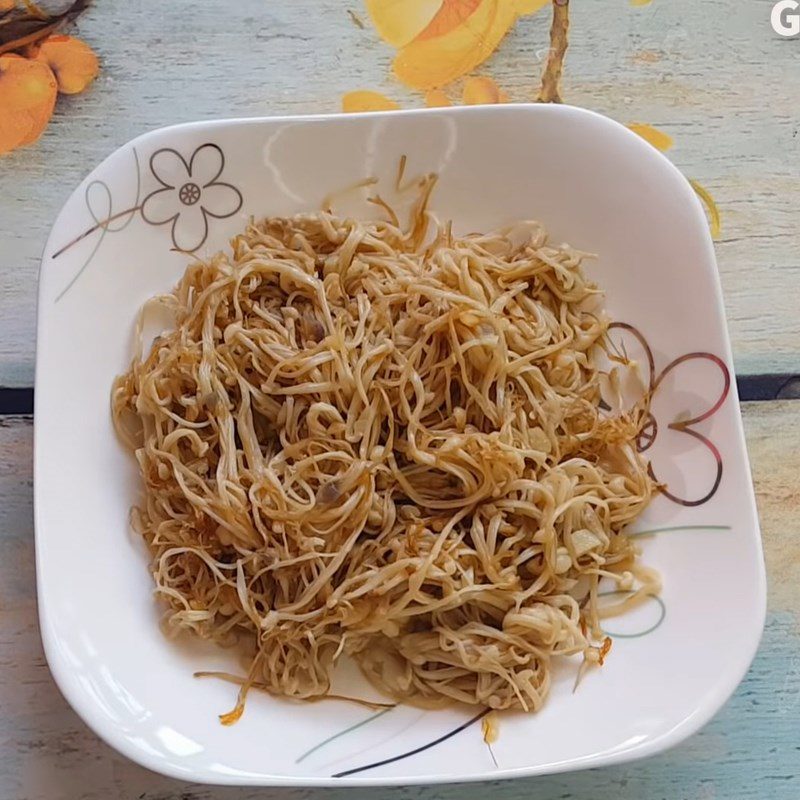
point(359, 441)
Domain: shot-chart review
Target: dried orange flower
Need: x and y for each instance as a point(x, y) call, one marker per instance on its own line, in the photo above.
point(73, 62)
point(27, 96)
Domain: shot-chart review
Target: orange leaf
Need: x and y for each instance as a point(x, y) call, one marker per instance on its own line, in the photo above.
point(27, 97)
point(363, 100)
point(660, 140)
point(480, 91)
point(73, 62)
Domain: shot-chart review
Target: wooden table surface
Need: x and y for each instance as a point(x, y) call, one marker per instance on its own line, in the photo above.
point(712, 75)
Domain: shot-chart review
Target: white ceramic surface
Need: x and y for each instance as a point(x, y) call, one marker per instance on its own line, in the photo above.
point(594, 184)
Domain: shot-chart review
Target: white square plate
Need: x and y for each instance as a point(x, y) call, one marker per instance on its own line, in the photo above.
point(592, 183)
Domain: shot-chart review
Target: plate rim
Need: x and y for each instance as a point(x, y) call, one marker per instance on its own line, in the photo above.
point(82, 704)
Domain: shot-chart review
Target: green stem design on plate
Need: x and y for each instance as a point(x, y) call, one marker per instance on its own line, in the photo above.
point(681, 528)
point(342, 733)
point(655, 625)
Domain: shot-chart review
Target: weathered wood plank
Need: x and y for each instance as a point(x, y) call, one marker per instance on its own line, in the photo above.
point(750, 750)
point(717, 79)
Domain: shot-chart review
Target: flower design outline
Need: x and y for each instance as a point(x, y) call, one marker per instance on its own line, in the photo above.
point(190, 193)
point(650, 430)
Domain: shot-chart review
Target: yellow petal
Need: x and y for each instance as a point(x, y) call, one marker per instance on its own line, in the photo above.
point(73, 62)
point(427, 63)
point(27, 96)
point(451, 14)
point(660, 140)
point(641, 2)
point(714, 221)
point(363, 100)
point(480, 91)
point(400, 21)
point(530, 6)
point(436, 98)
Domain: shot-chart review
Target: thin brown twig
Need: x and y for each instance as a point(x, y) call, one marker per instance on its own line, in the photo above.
point(21, 29)
point(551, 77)
point(30, 38)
